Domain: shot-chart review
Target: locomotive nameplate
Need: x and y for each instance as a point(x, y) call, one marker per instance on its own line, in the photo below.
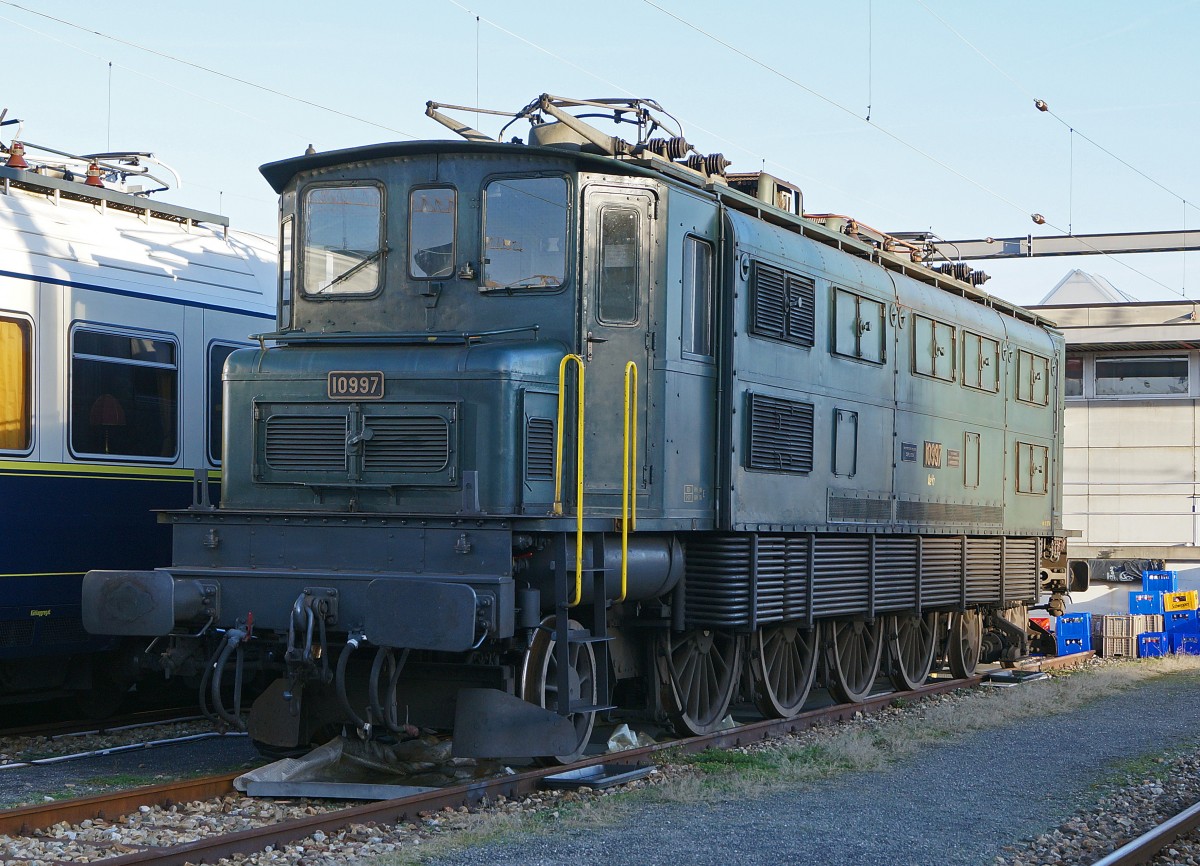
point(355, 385)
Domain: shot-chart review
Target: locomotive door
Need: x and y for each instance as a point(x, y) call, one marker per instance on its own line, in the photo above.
point(618, 232)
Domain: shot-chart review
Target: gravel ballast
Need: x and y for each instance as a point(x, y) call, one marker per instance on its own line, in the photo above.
point(1039, 790)
point(962, 802)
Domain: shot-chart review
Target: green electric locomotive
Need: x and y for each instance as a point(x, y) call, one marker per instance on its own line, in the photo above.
point(587, 425)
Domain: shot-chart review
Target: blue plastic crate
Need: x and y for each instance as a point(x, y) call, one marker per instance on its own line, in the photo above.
point(1181, 621)
point(1153, 643)
point(1186, 643)
point(1145, 602)
point(1068, 644)
point(1160, 581)
point(1073, 625)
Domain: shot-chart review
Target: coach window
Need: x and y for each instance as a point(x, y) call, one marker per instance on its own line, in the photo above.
point(697, 297)
point(16, 385)
point(524, 234)
point(1132, 376)
point(343, 240)
point(217, 353)
point(124, 395)
point(431, 218)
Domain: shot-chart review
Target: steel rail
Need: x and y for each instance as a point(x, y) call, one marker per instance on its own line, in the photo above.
point(143, 718)
point(27, 819)
point(251, 841)
point(1144, 848)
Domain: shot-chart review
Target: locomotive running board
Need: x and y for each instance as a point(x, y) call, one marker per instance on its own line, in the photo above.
point(489, 723)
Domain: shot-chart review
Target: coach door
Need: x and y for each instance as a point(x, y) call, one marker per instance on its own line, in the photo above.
point(618, 280)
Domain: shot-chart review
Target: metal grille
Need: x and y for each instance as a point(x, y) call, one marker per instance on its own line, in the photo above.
point(1021, 566)
point(842, 575)
point(983, 570)
point(768, 316)
point(539, 449)
point(782, 305)
point(781, 435)
point(306, 442)
point(802, 300)
point(61, 631)
point(16, 633)
point(896, 572)
point(941, 572)
point(854, 509)
point(911, 511)
point(718, 590)
point(406, 444)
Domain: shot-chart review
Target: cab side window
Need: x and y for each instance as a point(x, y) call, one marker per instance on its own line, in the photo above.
point(697, 297)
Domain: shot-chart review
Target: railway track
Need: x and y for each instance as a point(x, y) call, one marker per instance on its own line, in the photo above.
point(111, 807)
point(66, 728)
point(1146, 847)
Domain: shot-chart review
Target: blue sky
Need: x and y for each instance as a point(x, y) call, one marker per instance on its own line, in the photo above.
point(954, 142)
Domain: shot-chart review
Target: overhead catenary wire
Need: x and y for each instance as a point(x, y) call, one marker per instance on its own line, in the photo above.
point(207, 69)
point(1044, 106)
point(894, 137)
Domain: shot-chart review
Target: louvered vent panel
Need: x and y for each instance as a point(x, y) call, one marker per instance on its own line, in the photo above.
point(768, 316)
point(895, 573)
point(1021, 564)
point(407, 444)
point(941, 572)
point(781, 435)
point(948, 513)
point(795, 596)
point(539, 449)
point(718, 590)
point(306, 442)
point(801, 318)
point(841, 575)
point(853, 509)
point(983, 570)
point(771, 578)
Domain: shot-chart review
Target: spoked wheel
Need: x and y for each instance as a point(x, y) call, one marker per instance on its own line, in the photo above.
point(852, 657)
point(912, 641)
point(539, 682)
point(966, 640)
point(783, 665)
point(699, 673)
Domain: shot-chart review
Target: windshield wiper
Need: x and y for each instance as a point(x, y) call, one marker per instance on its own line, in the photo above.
point(351, 271)
point(535, 281)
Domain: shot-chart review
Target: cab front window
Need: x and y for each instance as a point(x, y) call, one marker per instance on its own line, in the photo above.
point(525, 233)
point(431, 212)
point(343, 240)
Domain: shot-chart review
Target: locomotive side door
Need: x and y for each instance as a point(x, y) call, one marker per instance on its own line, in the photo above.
point(619, 279)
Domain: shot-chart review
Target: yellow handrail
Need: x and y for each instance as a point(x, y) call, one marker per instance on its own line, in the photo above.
point(558, 509)
point(628, 495)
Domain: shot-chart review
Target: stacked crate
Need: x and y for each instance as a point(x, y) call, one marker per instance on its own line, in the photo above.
point(1180, 629)
point(1116, 635)
point(1073, 633)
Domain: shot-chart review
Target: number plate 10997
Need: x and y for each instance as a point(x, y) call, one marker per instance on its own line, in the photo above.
point(355, 386)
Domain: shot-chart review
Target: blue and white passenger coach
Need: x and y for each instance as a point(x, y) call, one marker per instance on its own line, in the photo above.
point(117, 313)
